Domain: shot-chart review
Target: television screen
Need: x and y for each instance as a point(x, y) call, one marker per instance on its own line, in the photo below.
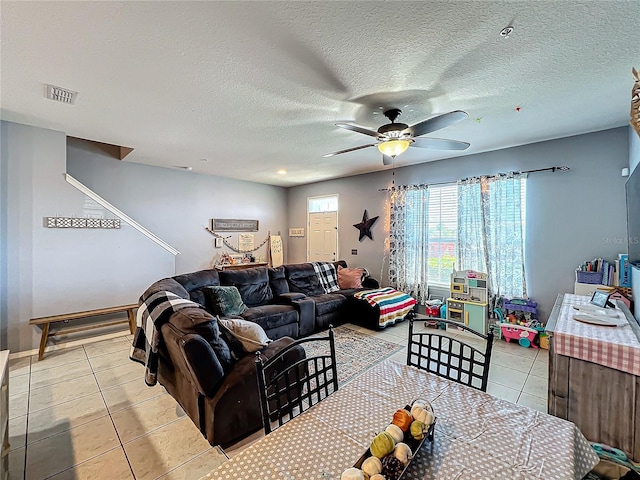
point(633, 216)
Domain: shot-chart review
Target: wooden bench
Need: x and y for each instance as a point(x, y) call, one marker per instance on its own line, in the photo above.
point(66, 317)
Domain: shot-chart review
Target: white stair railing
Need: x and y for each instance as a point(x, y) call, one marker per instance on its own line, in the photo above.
point(118, 213)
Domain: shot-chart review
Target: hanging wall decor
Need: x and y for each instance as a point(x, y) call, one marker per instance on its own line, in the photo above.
point(635, 102)
point(79, 222)
point(233, 225)
point(365, 226)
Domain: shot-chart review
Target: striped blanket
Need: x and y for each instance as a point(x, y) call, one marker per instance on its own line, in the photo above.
point(394, 305)
point(154, 312)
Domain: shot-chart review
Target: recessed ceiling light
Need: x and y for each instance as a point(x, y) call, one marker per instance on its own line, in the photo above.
point(282, 172)
point(506, 31)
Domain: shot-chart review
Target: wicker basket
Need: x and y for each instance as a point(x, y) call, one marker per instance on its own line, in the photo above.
point(588, 277)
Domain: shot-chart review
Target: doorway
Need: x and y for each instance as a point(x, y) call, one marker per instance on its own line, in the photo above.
point(322, 213)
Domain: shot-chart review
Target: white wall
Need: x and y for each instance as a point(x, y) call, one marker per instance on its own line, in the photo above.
point(54, 270)
point(571, 217)
point(176, 205)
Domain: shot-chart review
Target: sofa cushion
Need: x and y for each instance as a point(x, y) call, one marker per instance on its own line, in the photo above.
point(252, 283)
point(199, 321)
point(350, 277)
point(278, 281)
point(224, 300)
point(348, 292)
point(328, 303)
point(302, 278)
point(271, 316)
point(250, 334)
point(194, 282)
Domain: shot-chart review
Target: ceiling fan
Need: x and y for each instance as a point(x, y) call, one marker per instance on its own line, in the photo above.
point(394, 138)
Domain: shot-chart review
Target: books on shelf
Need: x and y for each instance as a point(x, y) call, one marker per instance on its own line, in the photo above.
point(615, 274)
point(624, 279)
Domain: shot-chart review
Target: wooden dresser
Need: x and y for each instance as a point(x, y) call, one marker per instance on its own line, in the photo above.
point(4, 414)
point(594, 376)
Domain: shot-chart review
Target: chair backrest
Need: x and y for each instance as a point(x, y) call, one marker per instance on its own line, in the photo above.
point(451, 358)
point(288, 389)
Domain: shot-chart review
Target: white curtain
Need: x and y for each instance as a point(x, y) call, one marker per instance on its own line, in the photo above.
point(409, 241)
point(490, 234)
point(471, 246)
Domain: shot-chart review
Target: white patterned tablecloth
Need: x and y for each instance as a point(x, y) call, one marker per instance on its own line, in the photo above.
point(477, 436)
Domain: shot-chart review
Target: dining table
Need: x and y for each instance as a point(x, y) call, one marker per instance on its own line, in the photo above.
point(477, 436)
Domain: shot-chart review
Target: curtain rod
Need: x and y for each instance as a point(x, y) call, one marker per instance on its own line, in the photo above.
point(563, 168)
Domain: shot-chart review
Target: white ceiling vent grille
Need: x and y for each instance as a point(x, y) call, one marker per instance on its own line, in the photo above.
point(60, 94)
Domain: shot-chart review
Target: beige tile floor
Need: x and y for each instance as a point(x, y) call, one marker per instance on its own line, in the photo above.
point(86, 413)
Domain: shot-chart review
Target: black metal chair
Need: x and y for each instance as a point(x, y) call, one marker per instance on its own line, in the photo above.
point(449, 357)
point(287, 392)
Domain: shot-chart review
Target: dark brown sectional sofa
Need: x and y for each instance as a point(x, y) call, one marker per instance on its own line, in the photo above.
point(196, 366)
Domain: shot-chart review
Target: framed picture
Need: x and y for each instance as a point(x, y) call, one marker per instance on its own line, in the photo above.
point(296, 232)
point(218, 242)
point(600, 298)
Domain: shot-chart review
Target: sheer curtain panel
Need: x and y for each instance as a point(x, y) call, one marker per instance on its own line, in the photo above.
point(409, 241)
point(490, 231)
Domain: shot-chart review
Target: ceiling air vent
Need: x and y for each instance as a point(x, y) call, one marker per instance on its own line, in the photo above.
point(60, 94)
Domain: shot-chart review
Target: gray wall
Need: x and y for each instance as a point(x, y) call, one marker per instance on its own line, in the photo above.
point(53, 270)
point(4, 155)
point(571, 216)
point(634, 149)
point(176, 205)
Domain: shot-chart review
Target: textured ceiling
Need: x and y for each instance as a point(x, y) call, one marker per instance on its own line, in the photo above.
point(254, 87)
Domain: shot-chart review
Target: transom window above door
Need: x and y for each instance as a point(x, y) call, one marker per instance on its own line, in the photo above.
point(328, 203)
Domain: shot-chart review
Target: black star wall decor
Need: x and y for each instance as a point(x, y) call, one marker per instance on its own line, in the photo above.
point(365, 226)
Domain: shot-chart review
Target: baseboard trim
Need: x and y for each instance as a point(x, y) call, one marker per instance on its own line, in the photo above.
point(70, 344)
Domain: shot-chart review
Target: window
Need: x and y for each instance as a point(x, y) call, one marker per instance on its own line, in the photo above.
point(442, 224)
point(443, 232)
point(323, 204)
point(439, 216)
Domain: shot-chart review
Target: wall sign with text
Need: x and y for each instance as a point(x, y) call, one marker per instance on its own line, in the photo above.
point(233, 225)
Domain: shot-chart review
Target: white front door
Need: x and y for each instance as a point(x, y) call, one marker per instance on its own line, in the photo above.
point(323, 237)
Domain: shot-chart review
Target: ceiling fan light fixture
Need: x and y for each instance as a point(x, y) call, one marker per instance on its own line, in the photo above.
point(393, 148)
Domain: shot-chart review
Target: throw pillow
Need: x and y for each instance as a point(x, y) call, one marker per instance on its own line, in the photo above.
point(251, 335)
point(350, 277)
point(224, 301)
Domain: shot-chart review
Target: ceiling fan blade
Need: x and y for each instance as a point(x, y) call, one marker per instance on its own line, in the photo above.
point(436, 123)
point(356, 128)
point(387, 160)
point(348, 150)
point(440, 144)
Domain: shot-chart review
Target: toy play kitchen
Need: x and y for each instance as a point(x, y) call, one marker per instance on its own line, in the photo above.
point(467, 303)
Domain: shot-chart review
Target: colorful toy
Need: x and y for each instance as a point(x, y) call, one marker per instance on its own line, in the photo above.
point(525, 336)
point(544, 341)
